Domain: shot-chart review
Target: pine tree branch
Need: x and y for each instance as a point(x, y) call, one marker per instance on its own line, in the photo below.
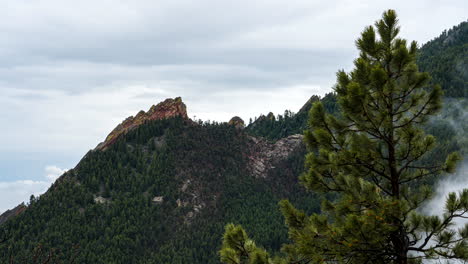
point(417, 115)
point(376, 128)
point(415, 158)
point(437, 230)
point(421, 176)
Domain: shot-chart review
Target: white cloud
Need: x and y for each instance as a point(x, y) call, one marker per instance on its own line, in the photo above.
point(53, 172)
point(16, 192)
point(56, 120)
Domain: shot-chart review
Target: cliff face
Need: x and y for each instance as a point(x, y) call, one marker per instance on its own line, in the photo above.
point(265, 155)
point(166, 109)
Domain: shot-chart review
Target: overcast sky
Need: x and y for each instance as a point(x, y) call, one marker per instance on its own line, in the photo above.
point(70, 71)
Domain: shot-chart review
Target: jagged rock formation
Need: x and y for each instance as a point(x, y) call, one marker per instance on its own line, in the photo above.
point(265, 155)
point(12, 213)
point(237, 122)
point(166, 109)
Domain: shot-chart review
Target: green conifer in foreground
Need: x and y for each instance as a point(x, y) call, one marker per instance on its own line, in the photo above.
point(371, 159)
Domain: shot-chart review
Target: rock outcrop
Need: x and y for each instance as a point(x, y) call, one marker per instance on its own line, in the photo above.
point(166, 109)
point(237, 122)
point(158, 199)
point(265, 155)
point(101, 200)
point(12, 213)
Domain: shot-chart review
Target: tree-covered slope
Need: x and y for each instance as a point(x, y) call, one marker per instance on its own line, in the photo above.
point(446, 59)
point(161, 194)
point(275, 127)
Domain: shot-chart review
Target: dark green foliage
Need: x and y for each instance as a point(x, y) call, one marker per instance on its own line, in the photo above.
point(371, 157)
point(156, 160)
point(274, 128)
point(446, 58)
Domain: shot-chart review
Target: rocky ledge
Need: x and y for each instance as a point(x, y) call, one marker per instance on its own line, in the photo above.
point(166, 109)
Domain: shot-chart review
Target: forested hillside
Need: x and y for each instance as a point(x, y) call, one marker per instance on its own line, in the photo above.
point(446, 59)
point(163, 192)
point(160, 194)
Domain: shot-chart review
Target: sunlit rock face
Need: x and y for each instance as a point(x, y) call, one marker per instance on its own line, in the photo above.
point(166, 109)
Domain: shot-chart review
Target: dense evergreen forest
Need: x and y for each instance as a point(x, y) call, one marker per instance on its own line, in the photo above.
point(157, 160)
point(446, 59)
point(164, 192)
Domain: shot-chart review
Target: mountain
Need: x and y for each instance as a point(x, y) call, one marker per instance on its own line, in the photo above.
point(446, 58)
point(160, 189)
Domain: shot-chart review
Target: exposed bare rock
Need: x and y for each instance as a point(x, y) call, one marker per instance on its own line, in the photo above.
point(265, 155)
point(101, 200)
point(185, 185)
point(198, 207)
point(12, 213)
point(159, 142)
point(237, 122)
point(191, 198)
point(181, 203)
point(189, 215)
point(158, 199)
point(167, 109)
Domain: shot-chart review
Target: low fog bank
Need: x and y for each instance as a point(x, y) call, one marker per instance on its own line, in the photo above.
point(455, 115)
point(452, 183)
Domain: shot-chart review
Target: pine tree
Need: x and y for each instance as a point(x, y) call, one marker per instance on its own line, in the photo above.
point(371, 159)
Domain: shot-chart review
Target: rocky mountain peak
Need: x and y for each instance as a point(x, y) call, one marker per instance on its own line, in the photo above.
point(166, 109)
point(237, 122)
point(12, 213)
